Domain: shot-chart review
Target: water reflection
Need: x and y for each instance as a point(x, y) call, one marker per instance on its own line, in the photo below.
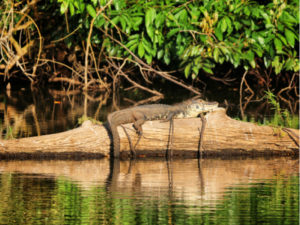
point(147, 191)
point(24, 114)
point(188, 179)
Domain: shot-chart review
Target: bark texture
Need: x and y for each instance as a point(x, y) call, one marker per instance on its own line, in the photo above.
point(223, 136)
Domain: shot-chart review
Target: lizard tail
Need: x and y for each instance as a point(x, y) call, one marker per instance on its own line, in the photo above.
point(115, 137)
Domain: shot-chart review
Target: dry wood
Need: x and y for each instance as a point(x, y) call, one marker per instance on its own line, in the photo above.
point(223, 136)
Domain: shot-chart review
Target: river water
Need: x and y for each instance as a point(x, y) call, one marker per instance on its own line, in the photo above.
point(144, 191)
point(214, 191)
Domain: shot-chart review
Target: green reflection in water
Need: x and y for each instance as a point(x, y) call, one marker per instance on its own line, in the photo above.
point(32, 199)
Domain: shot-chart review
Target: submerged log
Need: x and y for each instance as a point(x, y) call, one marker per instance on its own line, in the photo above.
point(223, 136)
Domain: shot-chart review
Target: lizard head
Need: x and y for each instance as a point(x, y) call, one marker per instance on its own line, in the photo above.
point(200, 106)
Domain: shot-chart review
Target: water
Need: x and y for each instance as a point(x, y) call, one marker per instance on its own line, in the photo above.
point(212, 191)
point(216, 191)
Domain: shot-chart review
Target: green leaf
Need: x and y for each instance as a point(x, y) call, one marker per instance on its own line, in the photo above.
point(148, 47)
point(286, 17)
point(63, 7)
point(221, 59)
point(99, 21)
point(282, 38)
point(172, 32)
point(216, 54)
point(148, 58)
point(91, 10)
point(237, 60)
point(135, 36)
point(267, 62)
point(119, 4)
point(150, 16)
point(290, 37)
point(278, 45)
point(223, 25)
point(72, 10)
point(160, 54)
point(250, 57)
point(137, 22)
point(219, 34)
point(167, 59)
point(159, 20)
point(277, 65)
point(195, 70)
point(208, 70)
point(94, 2)
point(150, 31)
point(123, 22)
point(132, 42)
point(141, 50)
point(133, 47)
point(261, 40)
point(187, 70)
point(229, 25)
point(247, 11)
point(266, 17)
point(289, 64)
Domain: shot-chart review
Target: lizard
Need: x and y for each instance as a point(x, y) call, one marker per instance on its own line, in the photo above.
point(138, 115)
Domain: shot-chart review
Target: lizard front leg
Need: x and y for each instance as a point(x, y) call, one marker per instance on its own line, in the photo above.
point(137, 125)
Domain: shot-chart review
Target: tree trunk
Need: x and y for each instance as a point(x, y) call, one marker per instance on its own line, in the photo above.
point(222, 136)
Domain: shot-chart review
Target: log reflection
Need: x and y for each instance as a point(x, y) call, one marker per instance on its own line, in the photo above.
point(188, 180)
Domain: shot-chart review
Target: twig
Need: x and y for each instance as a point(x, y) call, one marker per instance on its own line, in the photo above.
point(161, 73)
point(68, 35)
point(131, 81)
point(241, 93)
point(62, 64)
point(88, 44)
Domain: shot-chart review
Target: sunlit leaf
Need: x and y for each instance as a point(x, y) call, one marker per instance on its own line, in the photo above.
point(63, 7)
point(216, 54)
point(159, 20)
point(148, 58)
point(132, 42)
point(91, 10)
point(278, 45)
point(208, 70)
point(141, 50)
point(172, 32)
point(290, 37)
point(150, 16)
point(72, 10)
point(187, 70)
point(289, 64)
point(219, 34)
point(167, 59)
point(160, 54)
point(135, 36)
point(223, 25)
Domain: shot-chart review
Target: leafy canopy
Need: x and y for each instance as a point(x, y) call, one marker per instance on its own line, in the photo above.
point(196, 35)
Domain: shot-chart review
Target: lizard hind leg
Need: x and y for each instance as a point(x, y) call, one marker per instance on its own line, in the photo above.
point(203, 121)
point(132, 149)
point(170, 139)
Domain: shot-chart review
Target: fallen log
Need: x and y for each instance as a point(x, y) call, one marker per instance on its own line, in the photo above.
point(223, 136)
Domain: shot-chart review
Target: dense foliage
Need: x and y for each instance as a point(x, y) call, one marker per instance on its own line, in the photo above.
point(195, 35)
point(99, 41)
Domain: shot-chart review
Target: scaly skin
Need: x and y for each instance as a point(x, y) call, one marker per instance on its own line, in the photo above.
point(138, 115)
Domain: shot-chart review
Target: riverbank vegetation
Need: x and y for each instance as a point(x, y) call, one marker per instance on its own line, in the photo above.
point(104, 45)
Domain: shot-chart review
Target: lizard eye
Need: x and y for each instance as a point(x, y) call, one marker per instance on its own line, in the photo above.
point(197, 106)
